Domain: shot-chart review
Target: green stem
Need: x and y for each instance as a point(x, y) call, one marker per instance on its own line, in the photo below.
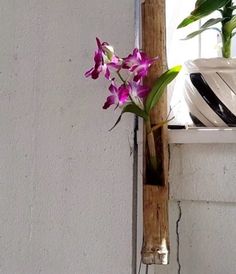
point(151, 145)
point(120, 76)
point(227, 14)
point(226, 45)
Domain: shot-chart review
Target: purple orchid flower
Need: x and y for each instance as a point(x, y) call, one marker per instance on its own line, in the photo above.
point(138, 63)
point(138, 93)
point(139, 90)
point(104, 59)
point(131, 90)
point(119, 95)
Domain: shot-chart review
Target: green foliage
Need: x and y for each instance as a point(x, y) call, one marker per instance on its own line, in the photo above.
point(230, 25)
point(131, 108)
point(227, 20)
point(211, 22)
point(202, 9)
point(197, 32)
point(153, 97)
point(159, 87)
point(207, 26)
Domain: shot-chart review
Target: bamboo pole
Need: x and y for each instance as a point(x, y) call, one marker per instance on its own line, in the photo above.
point(155, 194)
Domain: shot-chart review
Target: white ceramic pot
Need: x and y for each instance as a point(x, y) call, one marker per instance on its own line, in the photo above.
point(210, 91)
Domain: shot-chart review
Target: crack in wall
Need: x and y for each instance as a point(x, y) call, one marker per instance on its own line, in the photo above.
point(178, 236)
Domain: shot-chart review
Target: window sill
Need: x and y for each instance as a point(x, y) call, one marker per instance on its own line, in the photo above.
point(202, 136)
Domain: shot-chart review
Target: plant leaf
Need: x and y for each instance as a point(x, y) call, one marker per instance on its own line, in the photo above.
point(211, 22)
point(199, 3)
point(159, 87)
point(230, 25)
point(193, 34)
point(188, 20)
point(208, 6)
point(202, 9)
point(132, 108)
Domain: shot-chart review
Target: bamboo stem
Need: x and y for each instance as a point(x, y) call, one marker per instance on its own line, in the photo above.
point(155, 194)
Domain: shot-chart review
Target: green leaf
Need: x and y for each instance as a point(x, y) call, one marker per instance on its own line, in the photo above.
point(195, 33)
point(211, 22)
point(199, 3)
point(208, 6)
point(188, 20)
point(159, 87)
point(202, 9)
point(132, 108)
point(230, 25)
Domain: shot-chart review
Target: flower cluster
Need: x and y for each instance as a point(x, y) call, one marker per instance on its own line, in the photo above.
point(127, 91)
point(125, 74)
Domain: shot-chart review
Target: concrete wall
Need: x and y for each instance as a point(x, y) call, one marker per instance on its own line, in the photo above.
point(66, 182)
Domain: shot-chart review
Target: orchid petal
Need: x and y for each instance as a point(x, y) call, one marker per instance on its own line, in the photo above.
point(89, 72)
point(138, 63)
point(99, 44)
point(113, 89)
point(107, 74)
point(98, 57)
point(123, 93)
point(142, 91)
point(104, 58)
point(110, 101)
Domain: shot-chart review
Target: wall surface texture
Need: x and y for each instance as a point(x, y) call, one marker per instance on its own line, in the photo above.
point(66, 182)
point(202, 209)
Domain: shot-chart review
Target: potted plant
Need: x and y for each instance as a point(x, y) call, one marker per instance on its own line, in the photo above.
point(210, 86)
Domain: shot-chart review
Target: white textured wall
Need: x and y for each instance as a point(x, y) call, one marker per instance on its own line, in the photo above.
point(65, 181)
